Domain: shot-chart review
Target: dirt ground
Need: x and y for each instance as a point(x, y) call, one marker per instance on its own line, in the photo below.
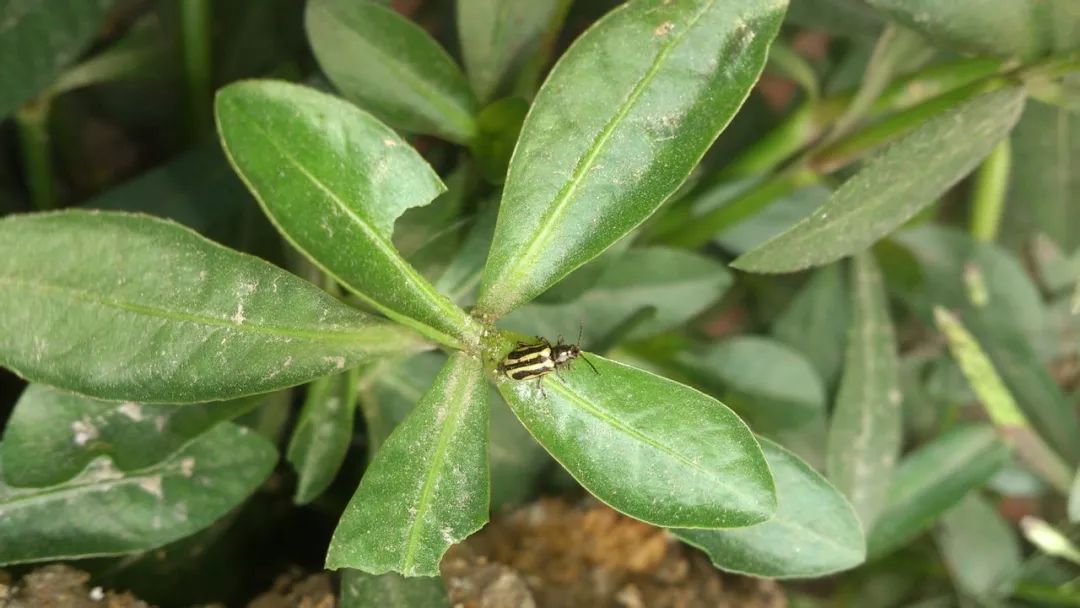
point(555, 554)
point(550, 553)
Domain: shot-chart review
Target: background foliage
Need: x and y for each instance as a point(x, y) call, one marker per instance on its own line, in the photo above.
point(257, 258)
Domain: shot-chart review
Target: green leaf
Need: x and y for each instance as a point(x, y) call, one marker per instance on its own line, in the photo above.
point(107, 512)
point(817, 320)
point(38, 39)
point(999, 404)
point(647, 446)
point(678, 284)
point(620, 122)
point(848, 18)
point(138, 53)
point(1023, 28)
point(498, 37)
point(323, 434)
point(814, 532)
point(333, 180)
point(118, 306)
point(933, 479)
point(362, 590)
point(199, 190)
point(980, 548)
point(897, 50)
point(866, 427)
point(53, 435)
point(1044, 186)
point(883, 195)
point(1009, 323)
point(391, 67)
point(462, 274)
point(1074, 499)
point(778, 216)
point(498, 127)
point(391, 389)
point(767, 382)
point(428, 485)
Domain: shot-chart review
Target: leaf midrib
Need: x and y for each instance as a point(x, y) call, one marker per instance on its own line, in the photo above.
point(174, 315)
point(641, 437)
point(411, 278)
point(543, 234)
point(458, 394)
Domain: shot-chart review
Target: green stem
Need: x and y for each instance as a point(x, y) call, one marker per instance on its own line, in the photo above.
point(32, 121)
point(859, 144)
point(702, 229)
point(988, 197)
point(196, 50)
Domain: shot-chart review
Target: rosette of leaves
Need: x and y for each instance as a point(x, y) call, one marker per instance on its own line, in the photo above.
point(146, 320)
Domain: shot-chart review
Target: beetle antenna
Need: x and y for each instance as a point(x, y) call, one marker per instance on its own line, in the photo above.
point(590, 364)
point(580, 329)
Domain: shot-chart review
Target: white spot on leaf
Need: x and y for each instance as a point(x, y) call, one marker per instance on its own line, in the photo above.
point(152, 485)
point(131, 410)
point(84, 431)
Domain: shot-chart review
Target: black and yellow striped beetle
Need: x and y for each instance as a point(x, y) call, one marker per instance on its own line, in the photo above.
point(534, 361)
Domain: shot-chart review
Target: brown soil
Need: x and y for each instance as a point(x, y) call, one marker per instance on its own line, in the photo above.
point(550, 553)
point(293, 590)
point(60, 586)
point(554, 554)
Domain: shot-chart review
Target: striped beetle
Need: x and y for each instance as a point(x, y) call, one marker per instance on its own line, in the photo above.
point(534, 361)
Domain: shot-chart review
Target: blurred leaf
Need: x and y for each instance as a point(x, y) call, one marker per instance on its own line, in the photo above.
point(499, 36)
point(980, 548)
point(38, 39)
point(866, 428)
point(1044, 187)
point(119, 306)
point(786, 62)
point(1056, 272)
point(1049, 539)
point(498, 126)
point(333, 180)
point(107, 512)
point(1010, 325)
point(53, 435)
point(1074, 499)
point(1023, 28)
point(362, 590)
point(847, 18)
point(427, 487)
point(199, 190)
point(679, 284)
point(898, 49)
point(777, 217)
point(767, 382)
point(882, 195)
point(620, 122)
point(135, 54)
point(649, 447)
point(1000, 405)
point(323, 434)
point(814, 532)
point(931, 480)
point(817, 320)
point(461, 277)
point(391, 67)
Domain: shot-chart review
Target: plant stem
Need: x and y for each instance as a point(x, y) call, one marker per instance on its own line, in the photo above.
point(32, 121)
point(700, 230)
point(988, 198)
point(196, 51)
point(852, 148)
